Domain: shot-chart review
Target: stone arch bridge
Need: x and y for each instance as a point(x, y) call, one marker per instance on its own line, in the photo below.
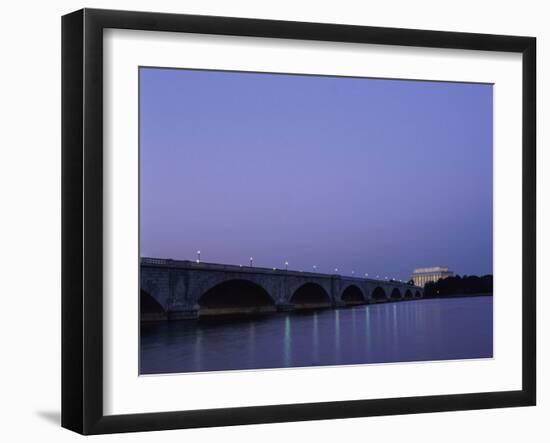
point(172, 289)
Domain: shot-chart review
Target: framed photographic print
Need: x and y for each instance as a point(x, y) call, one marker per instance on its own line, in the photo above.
point(268, 221)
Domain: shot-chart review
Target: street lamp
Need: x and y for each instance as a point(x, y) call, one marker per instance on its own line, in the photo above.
point(251, 261)
point(352, 272)
point(286, 266)
point(366, 274)
point(315, 268)
point(198, 256)
point(335, 269)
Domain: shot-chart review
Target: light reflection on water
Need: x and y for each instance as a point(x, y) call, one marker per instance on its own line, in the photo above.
point(315, 336)
point(415, 330)
point(287, 341)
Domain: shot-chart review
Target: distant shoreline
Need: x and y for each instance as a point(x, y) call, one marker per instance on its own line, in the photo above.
point(442, 297)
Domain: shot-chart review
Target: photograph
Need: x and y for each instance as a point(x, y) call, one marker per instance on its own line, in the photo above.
point(291, 220)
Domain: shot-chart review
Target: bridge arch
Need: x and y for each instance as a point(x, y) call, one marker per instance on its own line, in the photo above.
point(353, 295)
point(395, 294)
point(149, 308)
point(379, 294)
point(235, 296)
point(310, 296)
point(408, 294)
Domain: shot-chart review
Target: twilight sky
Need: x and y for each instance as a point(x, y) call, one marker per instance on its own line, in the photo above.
point(364, 175)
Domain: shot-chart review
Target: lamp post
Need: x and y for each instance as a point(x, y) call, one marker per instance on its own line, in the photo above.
point(335, 269)
point(286, 266)
point(198, 256)
point(251, 262)
point(314, 268)
point(366, 275)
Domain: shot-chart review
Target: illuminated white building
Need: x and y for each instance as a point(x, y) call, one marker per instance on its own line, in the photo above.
point(421, 276)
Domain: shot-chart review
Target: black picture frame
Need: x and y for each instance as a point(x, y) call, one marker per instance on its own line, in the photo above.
point(82, 218)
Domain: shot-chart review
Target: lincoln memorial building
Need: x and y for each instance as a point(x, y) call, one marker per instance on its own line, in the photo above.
point(421, 276)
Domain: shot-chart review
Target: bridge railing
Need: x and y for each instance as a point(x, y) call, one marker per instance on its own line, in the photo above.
point(188, 264)
point(154, 261)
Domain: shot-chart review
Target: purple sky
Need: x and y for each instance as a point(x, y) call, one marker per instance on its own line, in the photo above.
point(377, 176)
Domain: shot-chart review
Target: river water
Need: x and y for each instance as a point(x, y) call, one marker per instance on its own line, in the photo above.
point(417, 330)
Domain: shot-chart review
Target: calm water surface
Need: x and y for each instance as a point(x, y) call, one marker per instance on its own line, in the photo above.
point(416, 330)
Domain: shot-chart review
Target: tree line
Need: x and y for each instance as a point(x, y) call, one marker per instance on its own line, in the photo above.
point(466, 285)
